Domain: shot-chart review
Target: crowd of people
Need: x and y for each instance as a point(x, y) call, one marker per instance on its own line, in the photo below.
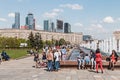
point(94, 59)
point(52, 57)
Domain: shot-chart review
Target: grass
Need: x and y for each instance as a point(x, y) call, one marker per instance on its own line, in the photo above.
point(16, 53)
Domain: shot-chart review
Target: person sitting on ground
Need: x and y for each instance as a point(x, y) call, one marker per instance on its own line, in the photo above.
point(0, 58)
point(36, 59)
point(87, 61)
point(113, 59)
point(5, 56)
point(44, 57)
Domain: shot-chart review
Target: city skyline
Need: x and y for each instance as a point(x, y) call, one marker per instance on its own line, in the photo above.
point(96, 18)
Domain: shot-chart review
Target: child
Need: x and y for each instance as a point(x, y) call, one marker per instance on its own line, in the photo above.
point(87, 61)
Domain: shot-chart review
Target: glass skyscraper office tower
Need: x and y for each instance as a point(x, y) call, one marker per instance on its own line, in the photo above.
point(16, 25)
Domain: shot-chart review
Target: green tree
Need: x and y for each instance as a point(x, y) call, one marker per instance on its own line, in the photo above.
point(38, 41)
point(62, 41)
point(48, 42)
point(31, 40)
point(56, 43)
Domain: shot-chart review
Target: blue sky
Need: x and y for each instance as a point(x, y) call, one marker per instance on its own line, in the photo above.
point(98, 18)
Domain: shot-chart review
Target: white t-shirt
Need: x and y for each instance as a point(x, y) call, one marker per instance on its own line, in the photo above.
point(56, 54)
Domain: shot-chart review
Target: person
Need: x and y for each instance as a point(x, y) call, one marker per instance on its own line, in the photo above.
point(57, 59)
point(79, 60)
point(113, 59)
point(43, 56)
point(63, 51)
point(49, 57)
point(82, 54)
point(87, 61)
point(0, 58)
point(36, 59)
point(5, 56)
point(31, 52)
point(92, 58)
point(98, 60)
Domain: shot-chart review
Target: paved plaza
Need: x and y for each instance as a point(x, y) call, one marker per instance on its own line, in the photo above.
point(23, 69)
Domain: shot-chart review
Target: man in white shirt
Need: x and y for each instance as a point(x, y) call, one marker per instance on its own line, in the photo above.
point(57, 59)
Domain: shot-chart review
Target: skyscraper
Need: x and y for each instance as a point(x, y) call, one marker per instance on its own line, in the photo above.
point(46, 25)
point(67, 28)
point(52, 27)
point(30, 21)
point(16, 25)
point(59, 26)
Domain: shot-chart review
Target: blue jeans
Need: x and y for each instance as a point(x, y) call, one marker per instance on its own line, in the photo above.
point(56, 65)
point(49, 65)
point(79, 63)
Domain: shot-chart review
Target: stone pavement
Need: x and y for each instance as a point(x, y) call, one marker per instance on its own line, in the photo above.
point(22, 70)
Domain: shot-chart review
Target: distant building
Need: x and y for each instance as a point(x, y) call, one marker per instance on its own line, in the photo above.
point(49, 26)
point(74, 38)
point(59, 26)
point(16, 25)
point(46, 25)
point(87, 38)
point(34, 24)
point(30, 21)
point(52, 27)
point(67, 28)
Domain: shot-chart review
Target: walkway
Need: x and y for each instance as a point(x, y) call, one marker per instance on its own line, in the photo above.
point(22, 70)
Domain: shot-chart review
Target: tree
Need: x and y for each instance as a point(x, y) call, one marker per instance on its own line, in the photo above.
point(38, 41)
point(31, 40)
point(62, 41)
point(56, 43)
point(48, 42)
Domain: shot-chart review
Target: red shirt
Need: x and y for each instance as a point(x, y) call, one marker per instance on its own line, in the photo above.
point(98, 57)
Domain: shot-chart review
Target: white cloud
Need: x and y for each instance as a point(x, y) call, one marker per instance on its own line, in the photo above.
point(3, 19)
point(97, 28)
point(72, 6)
point(57, 10)
point(119, 19)
point(11, 15)
point(108, 19)
point(50, 15)
point(53, 13)
point(78, 25)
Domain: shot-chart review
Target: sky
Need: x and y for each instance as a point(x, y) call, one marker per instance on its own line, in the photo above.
point(99, 18)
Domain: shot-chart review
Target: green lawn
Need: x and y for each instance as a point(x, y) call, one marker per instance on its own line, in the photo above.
point(16, 53)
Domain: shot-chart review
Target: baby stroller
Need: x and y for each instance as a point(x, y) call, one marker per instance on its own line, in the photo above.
point(41, 63)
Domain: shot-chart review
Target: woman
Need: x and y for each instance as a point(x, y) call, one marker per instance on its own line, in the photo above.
point(98, 60)
point(113, 59)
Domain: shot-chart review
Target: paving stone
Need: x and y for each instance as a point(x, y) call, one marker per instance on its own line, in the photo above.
point(22, 70)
